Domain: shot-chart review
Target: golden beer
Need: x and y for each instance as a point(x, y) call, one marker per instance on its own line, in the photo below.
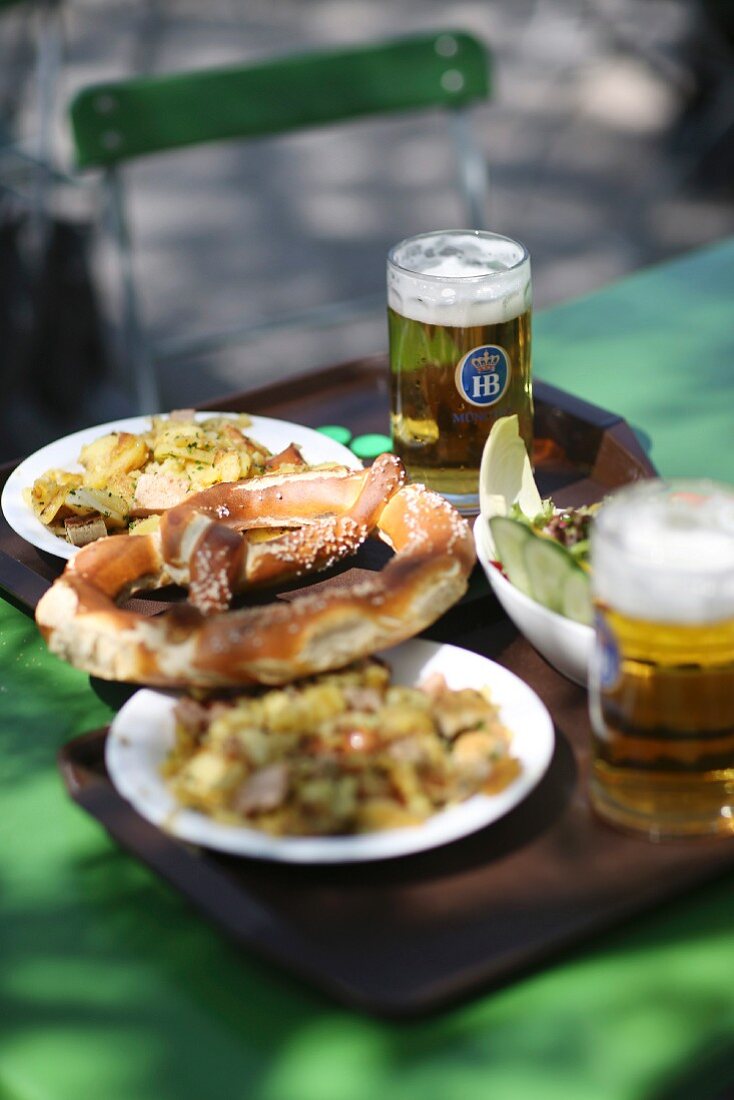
point(662, 675)
point(459, 320)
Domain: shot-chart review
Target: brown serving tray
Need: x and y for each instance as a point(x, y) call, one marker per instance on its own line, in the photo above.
point(409, 935)
point(406, 936)
point(581, 453)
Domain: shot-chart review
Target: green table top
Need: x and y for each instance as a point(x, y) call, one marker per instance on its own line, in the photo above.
point(111, 987)
point(658, 348)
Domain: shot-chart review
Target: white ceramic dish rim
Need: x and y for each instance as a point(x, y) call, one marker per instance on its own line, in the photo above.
point(62, 453)
point(142, 733)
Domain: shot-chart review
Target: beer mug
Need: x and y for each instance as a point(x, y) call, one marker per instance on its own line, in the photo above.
point(459, 318)
point(661, 687)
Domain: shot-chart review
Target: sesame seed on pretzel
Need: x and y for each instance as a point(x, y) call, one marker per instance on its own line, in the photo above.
point(205, 544)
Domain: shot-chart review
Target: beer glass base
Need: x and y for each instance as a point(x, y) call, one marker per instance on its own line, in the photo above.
point(664, 805)
point(466, 504)
point(459, 487)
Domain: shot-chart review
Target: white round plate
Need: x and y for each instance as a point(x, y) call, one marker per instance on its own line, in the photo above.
point(63, 454)
point(142, 735)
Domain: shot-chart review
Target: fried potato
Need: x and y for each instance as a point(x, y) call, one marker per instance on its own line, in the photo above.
point(47, 496)
point(187, 442)
point(127, 476)
point(117, 453)
point(113, 509)
point(144, 526)
point(226, 466)
point(335, 754)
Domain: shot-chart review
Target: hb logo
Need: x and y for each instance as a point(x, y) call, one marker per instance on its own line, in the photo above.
point(483, 375)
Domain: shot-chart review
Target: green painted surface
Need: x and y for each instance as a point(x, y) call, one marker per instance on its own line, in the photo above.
point(111, 987)
point(658, 348)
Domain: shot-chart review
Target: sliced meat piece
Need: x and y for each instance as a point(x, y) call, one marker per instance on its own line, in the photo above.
point(192, 715)
point(264, 790)
point(81, 530)
point(291, 456)
point(362, 698)
point(155, 492)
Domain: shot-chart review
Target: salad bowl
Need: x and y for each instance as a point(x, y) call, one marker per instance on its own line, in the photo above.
point(533, 577)
point(565, 644)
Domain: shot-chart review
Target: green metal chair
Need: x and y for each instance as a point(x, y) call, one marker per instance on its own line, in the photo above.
point(114, 123)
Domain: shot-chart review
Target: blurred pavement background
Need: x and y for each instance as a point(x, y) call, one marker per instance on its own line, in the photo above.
point(608, 141)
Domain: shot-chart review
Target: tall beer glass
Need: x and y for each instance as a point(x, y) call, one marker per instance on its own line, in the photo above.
point(661, 684)
point(459, 316)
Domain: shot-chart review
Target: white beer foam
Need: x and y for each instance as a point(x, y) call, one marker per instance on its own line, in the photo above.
point(463, 267)
point(478, 287)
point(666, 560)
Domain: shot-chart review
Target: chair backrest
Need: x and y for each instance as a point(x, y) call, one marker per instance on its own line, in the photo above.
point(117, 121)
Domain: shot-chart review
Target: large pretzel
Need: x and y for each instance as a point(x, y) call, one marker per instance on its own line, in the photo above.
point(204, 544)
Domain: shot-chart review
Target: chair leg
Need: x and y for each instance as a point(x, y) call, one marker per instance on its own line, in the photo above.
point(137, 353)
point(473, 171)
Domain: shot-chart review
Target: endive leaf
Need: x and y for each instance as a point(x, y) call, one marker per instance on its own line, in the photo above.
point(505, 475)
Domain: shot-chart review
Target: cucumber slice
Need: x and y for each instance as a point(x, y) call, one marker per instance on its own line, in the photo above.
point(549, 567)
point(577, 597)
point(510, 537)
point(542, 569)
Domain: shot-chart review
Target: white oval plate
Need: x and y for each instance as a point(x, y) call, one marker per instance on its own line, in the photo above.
point(63, 454)
point(142, 735)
